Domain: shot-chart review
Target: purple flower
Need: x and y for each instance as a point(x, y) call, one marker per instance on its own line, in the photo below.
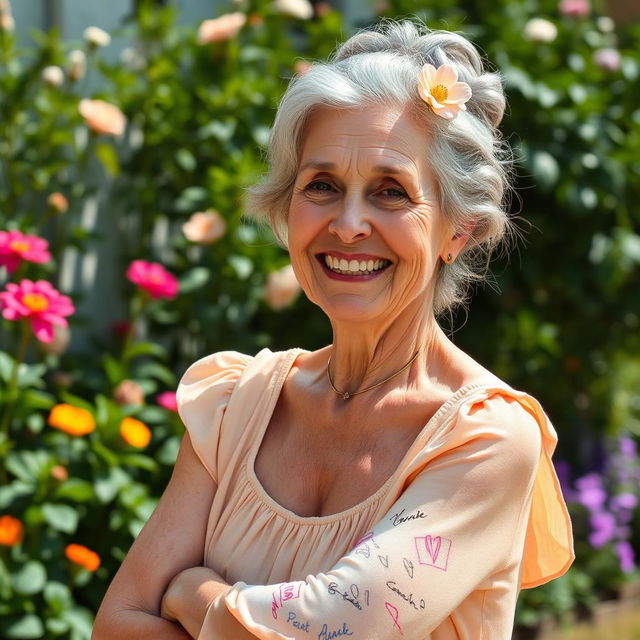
point(592, 498)
point(628, 447)
point(590, 481)
point(624, 500)
point(625, 556)
point(604, 528)
point(607, 59)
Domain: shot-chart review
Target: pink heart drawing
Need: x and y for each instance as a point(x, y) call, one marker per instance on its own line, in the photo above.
point(429, 542)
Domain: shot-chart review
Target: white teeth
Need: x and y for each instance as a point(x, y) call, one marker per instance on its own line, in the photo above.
point(353, 267)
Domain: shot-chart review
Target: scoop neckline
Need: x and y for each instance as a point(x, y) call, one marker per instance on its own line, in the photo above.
point(275, 389)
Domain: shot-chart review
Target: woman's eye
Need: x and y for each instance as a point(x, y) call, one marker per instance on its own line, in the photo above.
point(319, 186)
point(393, 193)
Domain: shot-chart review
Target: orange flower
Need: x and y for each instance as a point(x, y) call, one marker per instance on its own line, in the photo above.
point(79, 554)
point(72, 420)
point(11, 531)
point(135, 432)
point(102, 117)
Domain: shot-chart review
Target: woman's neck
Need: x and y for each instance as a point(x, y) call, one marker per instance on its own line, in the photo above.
point(363, 355)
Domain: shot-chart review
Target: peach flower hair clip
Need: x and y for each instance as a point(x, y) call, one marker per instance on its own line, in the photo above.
point(440, 89)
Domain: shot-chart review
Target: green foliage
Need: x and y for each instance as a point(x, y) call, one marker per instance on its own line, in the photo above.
point(198, 119)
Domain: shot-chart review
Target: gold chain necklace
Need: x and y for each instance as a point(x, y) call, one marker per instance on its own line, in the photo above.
point(346, 394)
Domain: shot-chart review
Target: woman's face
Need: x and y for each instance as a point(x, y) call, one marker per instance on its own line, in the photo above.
point(365, 231)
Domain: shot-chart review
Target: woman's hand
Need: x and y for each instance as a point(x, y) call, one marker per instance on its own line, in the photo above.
point(189, 595)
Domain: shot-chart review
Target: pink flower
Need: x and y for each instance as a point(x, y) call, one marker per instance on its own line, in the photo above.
point(204, 228)
point(225, 27)
point(607, 59)
point(440, 89)
point(153, 278)
point(167, 399)
point(102, 117)
point(575, 8)
point(40, 303)
point(16, 247)
point(282, 288)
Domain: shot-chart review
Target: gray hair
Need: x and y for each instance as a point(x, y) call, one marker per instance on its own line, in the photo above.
point(470, 161)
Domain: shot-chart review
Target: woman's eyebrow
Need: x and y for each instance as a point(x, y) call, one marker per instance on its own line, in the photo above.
point(380, 168)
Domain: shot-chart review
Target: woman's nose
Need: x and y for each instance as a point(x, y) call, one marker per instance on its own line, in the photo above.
point(350, 222)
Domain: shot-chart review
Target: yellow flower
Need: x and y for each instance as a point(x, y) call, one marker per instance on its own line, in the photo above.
point(135, 432)
point(79, 554)
point(11, 531)
point(72, 420)
point(440, 89)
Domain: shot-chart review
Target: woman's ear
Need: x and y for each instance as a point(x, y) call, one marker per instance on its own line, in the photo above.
point(458, 241)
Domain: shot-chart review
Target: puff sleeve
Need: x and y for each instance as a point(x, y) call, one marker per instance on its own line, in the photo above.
point(462, 518)
point(202, 397)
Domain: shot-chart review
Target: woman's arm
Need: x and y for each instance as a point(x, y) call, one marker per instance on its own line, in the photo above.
point(188, 598)
point(461, 521)
point(171, 541)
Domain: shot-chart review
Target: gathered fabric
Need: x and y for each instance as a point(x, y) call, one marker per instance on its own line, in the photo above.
point(472, 514)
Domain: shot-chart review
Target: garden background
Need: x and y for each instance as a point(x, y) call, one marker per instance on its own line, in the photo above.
point(124, 153)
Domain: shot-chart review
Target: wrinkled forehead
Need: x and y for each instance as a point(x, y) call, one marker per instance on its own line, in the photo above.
point(365, 138)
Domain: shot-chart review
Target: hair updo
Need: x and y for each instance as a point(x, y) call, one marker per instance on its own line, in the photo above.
point(470, 161)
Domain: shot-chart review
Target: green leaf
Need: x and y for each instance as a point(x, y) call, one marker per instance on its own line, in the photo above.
point(29, 466)
point(75, 489)
point(30, 578)
point(61, 517)
point(139, 461)
point(194, 279)
point(108, 484)
point(545, 168)
point(57, 596)
point(114, 369)
point(186, 159)
point(31, 375)
point(145, 349)
point(80, 620)
point(27, 626)
point(108, 157)
point(242, 265)
point(6, 366)
point(168, 452)
point(56, 626)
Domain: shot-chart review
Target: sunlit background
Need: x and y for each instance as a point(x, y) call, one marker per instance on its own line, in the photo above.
point(128, 133)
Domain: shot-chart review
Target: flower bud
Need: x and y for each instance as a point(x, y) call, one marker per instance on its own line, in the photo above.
point(59, 473)
point(58, 202)
point(60, 342)
point(540, 30)
point(128, 392)
point(53, 76)
point(96, 37)
point(77, 65)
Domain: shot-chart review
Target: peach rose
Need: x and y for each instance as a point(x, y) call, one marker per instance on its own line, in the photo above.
point(204, 228)
point(225, 27)
point(282, 288)
point(102, 117)
point(128, 392)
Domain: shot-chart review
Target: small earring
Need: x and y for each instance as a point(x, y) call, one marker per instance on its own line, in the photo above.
point(449, 257)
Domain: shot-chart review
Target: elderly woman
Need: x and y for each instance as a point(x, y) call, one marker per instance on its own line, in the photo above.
point(387, 485)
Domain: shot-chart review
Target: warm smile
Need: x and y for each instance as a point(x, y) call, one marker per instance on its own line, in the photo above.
point(356, 267)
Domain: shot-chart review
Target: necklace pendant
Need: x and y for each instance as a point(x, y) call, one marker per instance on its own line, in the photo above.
point(346, 395)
